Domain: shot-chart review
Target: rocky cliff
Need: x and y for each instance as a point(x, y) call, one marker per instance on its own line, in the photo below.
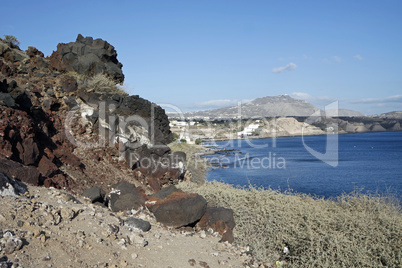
point(58, 126)
point(65, 123)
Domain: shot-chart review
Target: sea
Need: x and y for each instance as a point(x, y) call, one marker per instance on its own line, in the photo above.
point(323, 166)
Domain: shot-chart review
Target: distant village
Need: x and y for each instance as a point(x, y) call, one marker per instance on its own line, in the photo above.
point(205, 129)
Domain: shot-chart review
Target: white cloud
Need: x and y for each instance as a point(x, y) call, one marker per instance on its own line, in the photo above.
point(306, 96)
point(394, 98)
point(319, 101)
point(216, 103)
point(358, 57)
point(289, 67)
point(337, 59)
point(301, 95)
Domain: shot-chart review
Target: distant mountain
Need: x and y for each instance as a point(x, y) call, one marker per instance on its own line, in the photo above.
point(390, 115)
point(282, 105)
point(343, 113)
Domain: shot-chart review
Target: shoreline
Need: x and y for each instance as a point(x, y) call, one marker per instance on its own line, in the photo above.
point(298, 135)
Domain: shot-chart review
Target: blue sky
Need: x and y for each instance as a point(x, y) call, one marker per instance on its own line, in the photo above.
point(206, 54)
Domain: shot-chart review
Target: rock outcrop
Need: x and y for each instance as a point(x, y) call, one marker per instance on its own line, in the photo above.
point(52, 123)
point(88, 57)
point(57, 131)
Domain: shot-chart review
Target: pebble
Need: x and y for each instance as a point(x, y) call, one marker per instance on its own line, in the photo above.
point(203, 234)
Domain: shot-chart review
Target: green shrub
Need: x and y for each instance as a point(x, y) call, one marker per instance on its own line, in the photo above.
point(12, 39)
point(175, 136)
point(352, 231)
point(198, 141)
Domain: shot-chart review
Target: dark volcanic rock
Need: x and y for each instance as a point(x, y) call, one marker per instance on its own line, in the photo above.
point(46, 167)
point(94, 194)
point(165, 192)
point(29, 151)
point(221, 220)
point(142, 225)
point(27, 174)
point(9, 186)
point(126, 196)
point(89, 57)
point(6, 100)
point(178, 209)
point(33, 51)
point(68, 84)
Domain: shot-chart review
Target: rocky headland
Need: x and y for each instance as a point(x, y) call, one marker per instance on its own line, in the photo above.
point(86, 176)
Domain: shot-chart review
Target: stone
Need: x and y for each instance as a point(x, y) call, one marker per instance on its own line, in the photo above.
point(139, 224)
point(165, 192)
point(7, 100)
point(47, 167)
point(94, 194)
point(126, 202)
point(126, 196)
point(138, 240)
point(67, 213)
point(68, 84)
point(178, 209)
point(27, 174)
point(28, 151)
point(9, 186)
point(220, 220)
point(33, 51)
point(88, 57)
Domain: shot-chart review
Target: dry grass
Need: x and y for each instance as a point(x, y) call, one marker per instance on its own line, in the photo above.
point(103, 84)
point(353, 231)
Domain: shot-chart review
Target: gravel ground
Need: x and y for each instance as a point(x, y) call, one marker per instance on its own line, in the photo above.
point(52, 228)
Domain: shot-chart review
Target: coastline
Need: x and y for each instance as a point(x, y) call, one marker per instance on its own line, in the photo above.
point(296, 135)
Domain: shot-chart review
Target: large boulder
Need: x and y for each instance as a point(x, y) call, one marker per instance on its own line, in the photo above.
point(178, 208)
point(94, 194)
point(88, 57)
point(27, 174)
point(220, 220)
point(125, 196)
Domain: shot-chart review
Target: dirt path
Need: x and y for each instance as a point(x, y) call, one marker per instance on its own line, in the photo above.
point(60, 230)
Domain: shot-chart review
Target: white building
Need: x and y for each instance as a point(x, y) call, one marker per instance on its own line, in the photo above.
point(248, 131)
point(181, 124)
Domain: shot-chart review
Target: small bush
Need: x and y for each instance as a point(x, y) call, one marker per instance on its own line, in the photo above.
point(353, 231)
point(175, 136)
point(103, 84)
point(198, 141)
point(12, 39)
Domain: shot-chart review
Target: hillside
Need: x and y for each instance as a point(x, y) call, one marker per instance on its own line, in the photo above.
point(282, 105)
point(86, 170)
point(390, 115)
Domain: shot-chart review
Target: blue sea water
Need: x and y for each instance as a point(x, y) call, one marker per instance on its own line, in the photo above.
point(368, 162)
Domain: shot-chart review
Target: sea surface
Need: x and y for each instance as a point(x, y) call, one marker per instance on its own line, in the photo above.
point(325, 166)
